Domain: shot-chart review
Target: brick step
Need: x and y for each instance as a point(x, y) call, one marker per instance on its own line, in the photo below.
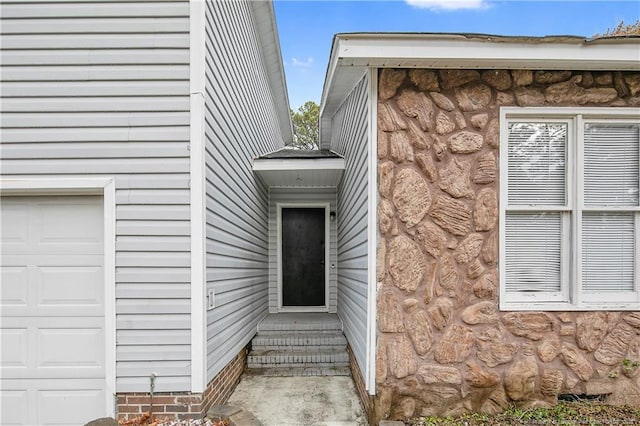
point(321, 358)
point(299, 371)
point(299, 348)
point(327, 332)
point(301, 322)
point(275, 340)
point(319, 365)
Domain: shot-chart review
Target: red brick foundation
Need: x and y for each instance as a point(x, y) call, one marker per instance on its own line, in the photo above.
point(178, 405)
point(366, 399)
point(222, 386)
point(185, 405)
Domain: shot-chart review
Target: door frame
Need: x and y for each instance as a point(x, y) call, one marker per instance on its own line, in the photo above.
point(327, 245)
point(87, 185)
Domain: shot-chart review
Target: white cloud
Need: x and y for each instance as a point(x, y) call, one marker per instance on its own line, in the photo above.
point(448, 4)
point(299, 63)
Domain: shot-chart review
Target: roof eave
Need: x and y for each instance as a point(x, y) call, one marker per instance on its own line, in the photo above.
point(264, 17)
point(353, 54)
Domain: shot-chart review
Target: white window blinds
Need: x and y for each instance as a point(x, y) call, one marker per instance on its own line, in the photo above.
point(533, 252)
point(611, 157)
point(537, 163)
point(608, 254)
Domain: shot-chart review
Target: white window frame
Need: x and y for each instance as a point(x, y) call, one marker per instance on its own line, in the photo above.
point(570, 298)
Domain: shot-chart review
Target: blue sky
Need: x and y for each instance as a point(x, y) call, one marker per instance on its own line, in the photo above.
point(306, 28)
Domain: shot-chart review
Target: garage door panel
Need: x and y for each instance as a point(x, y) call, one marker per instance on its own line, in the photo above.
point(73, 373)
point(52, 285)
point(55, 228)
point(76, 348)
point(14, 407)
point(62, 225)
point(47, 249)
point(14, 285)
point(53, 322)
point(52, 348)
point(51, 311)
point(51, 402)
point(62, 407)
point(14, 226)
point(70, 285)
point(13, 348)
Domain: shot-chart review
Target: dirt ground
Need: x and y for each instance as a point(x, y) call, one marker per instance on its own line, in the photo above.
point(565, 413)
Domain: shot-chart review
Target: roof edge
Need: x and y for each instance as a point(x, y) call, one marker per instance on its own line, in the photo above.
point(351, 51)
point(265, 23)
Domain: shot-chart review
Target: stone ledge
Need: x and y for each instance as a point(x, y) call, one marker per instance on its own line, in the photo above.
point(244, 418)
point(235, 416)
point(104, 421)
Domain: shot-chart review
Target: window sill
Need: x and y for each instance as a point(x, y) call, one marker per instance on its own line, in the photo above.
point(546, 306)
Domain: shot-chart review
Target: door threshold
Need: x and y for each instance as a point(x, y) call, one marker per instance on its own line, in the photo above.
point(320, 309)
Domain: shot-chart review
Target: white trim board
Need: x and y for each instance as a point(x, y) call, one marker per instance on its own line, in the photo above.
point(197, 195)
point(105, 187)
point(269, 164)
point(327, 257)
point(372, 232)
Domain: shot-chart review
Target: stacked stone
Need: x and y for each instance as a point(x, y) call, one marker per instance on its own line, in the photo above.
point(444, 348)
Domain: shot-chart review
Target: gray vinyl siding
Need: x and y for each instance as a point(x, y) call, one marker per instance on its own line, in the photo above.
point(240, 124)
point(349, 137)
point(102, 88)
point(300, 196)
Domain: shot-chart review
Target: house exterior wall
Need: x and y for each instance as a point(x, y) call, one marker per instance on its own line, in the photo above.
point(444, 348)
point(102, 89)
point(349, 138)
point(240, 124)
point(300, 196)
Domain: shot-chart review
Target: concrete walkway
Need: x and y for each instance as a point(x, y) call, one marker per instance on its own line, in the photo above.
point(300, 401)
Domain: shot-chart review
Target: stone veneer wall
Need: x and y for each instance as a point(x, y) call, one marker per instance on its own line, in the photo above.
point(185, 405)
point(444, 348)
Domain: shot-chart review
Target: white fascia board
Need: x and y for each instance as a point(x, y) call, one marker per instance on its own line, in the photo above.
point(454, 52)
point(338, 84)
point(332, 66)
point(305, 164)
point(267, 30)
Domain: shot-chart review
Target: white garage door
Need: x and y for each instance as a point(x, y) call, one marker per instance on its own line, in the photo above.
point(52, 361)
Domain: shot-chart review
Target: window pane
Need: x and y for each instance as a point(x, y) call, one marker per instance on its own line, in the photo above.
point(608, 252)
point(533, 252)
point(537, 158)
point(611, 157)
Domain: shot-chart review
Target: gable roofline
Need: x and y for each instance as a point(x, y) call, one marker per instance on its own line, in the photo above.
point(352, 54)
point(265, 22)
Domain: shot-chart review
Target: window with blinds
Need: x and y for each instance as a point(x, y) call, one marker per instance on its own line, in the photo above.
point(611, 182)
point(570, 210)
